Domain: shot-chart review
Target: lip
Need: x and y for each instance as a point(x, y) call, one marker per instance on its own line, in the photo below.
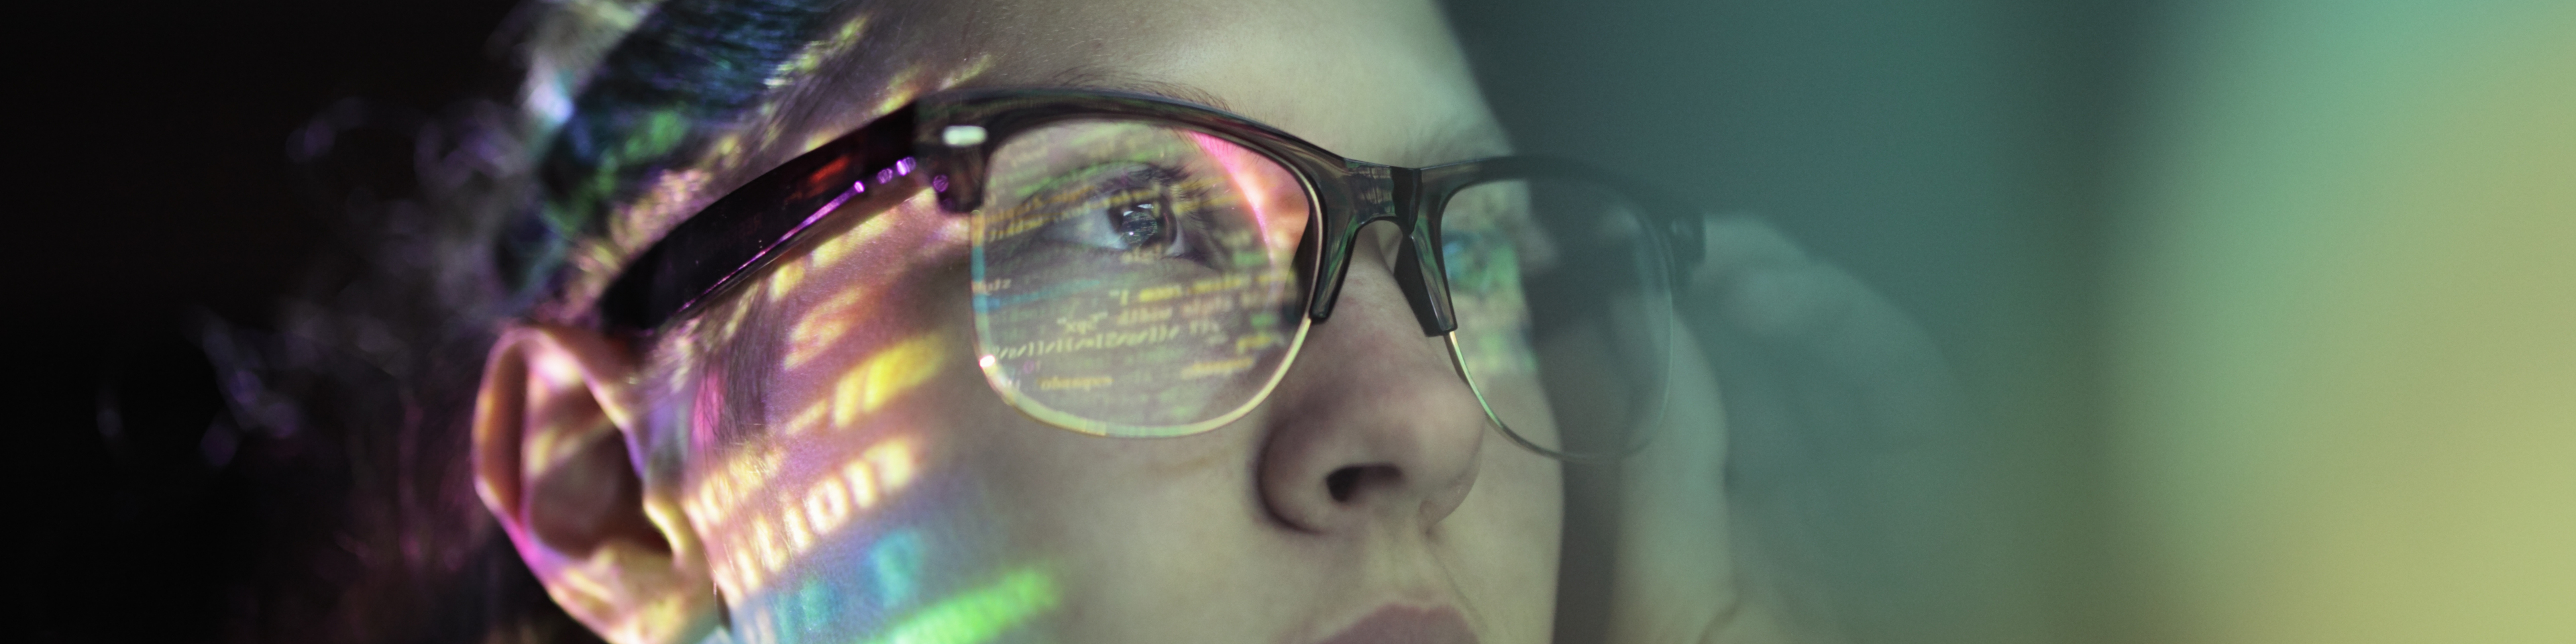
point(1407, 625)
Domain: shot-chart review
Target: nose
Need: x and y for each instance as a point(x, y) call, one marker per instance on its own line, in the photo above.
point(1373, 423)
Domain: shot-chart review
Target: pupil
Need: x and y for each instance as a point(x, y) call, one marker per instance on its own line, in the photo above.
point(1139, 224)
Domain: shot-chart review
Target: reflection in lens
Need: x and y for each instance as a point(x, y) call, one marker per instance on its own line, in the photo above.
point(1563, 312)
point(1136, 279)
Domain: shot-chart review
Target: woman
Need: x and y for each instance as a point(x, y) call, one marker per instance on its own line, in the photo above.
point(881, 419)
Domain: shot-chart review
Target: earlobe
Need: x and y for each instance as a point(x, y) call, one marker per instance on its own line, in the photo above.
point(557, 447)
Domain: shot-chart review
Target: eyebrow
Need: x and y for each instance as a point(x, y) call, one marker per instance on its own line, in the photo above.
point(1451, 141)
point(1105, 79)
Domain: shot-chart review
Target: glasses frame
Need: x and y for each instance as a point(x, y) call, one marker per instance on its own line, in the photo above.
point(943, 141)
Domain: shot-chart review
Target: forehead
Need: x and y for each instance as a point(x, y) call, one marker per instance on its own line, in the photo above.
point(1379, 81)
point(1374, 80)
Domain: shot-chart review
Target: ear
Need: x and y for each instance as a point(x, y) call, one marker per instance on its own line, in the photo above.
point(558, 458)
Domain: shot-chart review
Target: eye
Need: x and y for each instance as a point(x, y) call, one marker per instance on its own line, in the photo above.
point(1137, 208)
point(1475, 259)
point(1458, 252)
point(1139, 223)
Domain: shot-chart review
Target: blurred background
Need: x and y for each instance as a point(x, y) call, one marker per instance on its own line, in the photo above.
point(2267, 308)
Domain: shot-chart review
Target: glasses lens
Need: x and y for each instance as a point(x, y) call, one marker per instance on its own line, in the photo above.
point(1137, 279)
point(1564, 312)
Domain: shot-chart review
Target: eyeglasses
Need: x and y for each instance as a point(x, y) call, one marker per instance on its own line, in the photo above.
point(1145, 267)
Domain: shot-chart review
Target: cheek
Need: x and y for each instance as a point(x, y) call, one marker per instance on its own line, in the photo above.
point(872, 523)
point(894, 490)
point(1145, 539)
point(858, 505)
point(1505, 540)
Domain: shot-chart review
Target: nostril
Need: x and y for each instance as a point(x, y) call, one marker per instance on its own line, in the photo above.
point(1345, 483)
point(1341, 481)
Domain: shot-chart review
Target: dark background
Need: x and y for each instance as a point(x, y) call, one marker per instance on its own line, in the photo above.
point(164, 192)
point(1950, 152)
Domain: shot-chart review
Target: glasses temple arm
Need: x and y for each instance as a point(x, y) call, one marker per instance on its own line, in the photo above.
point(740, 233)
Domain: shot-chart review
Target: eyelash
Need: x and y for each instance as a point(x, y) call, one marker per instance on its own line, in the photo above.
point(1190, 221)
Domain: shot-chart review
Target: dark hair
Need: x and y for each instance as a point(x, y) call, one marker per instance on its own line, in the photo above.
point(691, 67)
point(354, 414)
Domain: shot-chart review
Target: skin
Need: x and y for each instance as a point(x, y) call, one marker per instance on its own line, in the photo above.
point(1359, 485)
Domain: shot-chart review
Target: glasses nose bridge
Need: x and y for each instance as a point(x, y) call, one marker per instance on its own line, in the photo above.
point(1378, 193)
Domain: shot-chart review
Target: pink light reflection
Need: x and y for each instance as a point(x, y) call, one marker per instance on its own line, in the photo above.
point(1254, 177)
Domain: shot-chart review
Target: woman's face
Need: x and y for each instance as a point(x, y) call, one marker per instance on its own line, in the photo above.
point(889, 494)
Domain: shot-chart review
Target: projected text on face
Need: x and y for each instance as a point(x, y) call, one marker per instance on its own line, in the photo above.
point(1134, 274)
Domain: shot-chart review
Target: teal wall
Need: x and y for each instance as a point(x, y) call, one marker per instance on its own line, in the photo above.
point(1947, 152)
